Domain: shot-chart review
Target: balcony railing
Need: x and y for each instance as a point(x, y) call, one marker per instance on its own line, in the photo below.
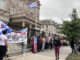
point(22, 15)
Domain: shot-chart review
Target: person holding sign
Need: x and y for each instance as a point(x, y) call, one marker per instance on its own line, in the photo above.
point(34, 44)
point(3, 45)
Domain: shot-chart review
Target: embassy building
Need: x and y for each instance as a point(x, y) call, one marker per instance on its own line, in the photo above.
point(18, 14)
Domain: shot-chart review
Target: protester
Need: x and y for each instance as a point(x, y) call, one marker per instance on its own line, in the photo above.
point(51, 43)
point(34, 44)
point(38, 43)
point(43, 43)
point(31, 42)
point(3, 45)
point(57, 46)
point(68, 43)
point(62, 42)
point(46, 43)
point(72, 46)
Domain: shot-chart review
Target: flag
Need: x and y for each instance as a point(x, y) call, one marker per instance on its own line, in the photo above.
point(1, 32)
point(9, 30)
point(0, 26)
point(35, 44)
point(33, 5)
point(3, 26)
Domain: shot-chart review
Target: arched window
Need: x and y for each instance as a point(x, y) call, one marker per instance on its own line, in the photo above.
point(2, 4)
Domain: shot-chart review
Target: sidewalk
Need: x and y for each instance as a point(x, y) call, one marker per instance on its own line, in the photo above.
point(46, 55)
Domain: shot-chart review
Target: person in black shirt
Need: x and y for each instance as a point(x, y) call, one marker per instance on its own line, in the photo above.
point(57, 46)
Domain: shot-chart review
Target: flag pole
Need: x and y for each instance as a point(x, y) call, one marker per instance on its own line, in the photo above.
point(36, 16)
point(36, 19)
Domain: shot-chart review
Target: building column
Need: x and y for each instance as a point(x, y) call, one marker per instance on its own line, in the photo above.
point(30, 26)
point(23, 24)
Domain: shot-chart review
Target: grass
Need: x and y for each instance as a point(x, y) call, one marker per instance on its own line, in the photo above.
point(73, 57)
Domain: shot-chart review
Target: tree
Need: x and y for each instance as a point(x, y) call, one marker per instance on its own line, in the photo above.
point(72, 28)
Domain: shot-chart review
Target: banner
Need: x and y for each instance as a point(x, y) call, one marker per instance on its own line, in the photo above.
point(12, 36)
point(18, 37)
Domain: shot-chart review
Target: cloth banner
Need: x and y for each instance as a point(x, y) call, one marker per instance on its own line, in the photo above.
point(18, 37)
point(12, 36)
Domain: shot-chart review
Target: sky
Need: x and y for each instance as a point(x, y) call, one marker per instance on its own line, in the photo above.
point(58, 10)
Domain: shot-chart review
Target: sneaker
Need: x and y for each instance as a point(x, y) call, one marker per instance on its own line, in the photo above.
point(58, 58)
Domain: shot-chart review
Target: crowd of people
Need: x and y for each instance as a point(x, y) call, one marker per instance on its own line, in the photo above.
point(39, 43)
point(48, 42)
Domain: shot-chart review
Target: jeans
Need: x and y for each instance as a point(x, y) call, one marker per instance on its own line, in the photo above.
point(57, 51)
point(73, 49)
point(43, 45)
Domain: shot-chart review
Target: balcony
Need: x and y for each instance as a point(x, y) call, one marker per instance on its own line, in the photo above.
point(25, 16)
point(4, 15)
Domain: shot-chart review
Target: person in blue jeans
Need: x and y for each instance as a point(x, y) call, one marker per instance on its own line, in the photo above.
point(72, 46)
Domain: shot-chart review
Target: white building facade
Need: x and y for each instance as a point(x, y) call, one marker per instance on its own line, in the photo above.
point(49, 26)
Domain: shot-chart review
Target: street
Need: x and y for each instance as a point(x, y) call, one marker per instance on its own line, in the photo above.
point(45, 55)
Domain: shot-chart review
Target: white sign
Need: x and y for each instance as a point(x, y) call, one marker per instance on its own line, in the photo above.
point(17, 38)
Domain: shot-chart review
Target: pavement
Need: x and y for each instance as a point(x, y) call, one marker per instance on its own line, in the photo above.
point(45, 55)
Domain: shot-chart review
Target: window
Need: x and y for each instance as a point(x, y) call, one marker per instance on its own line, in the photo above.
point(13, 10)
point(2, 4)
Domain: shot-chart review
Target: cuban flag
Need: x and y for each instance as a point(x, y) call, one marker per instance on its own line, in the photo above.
point(33, 5)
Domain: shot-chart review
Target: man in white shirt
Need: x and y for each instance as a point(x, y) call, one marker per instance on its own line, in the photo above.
point(3, 45)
